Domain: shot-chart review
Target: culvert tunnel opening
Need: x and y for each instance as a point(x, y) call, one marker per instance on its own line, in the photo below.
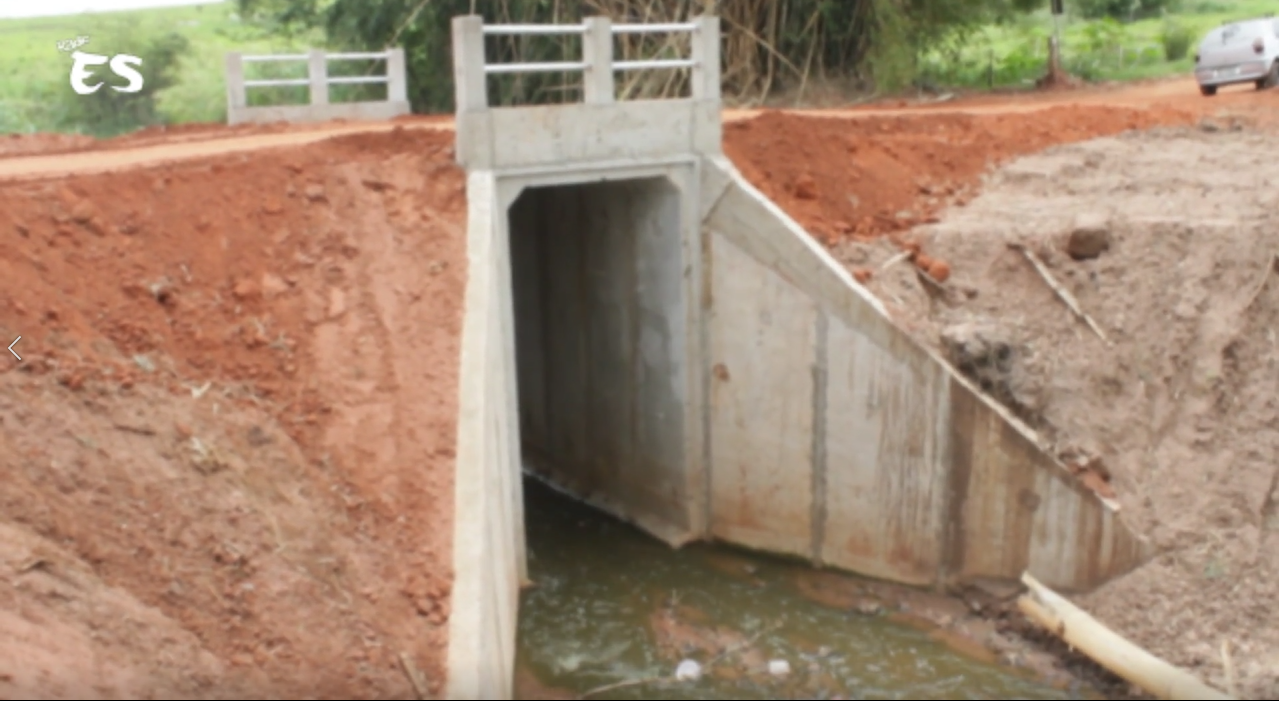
point(599, 302)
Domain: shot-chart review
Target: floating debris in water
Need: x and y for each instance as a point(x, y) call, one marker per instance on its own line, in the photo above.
point(688, 671)
point(778, 668)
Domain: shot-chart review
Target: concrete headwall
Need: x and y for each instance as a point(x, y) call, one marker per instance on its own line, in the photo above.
point(836, 437)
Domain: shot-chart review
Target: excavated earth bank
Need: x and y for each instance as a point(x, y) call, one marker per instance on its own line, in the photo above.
point(1167, 241)
point(227, 452)
point(233, 425)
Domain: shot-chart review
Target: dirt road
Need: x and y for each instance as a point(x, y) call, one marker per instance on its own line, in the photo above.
point(233, 422)
point(43, 155)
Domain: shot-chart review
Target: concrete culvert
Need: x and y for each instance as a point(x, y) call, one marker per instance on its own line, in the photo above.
point(600, 333)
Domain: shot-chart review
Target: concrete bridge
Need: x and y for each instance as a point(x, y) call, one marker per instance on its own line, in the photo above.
point(649, 332)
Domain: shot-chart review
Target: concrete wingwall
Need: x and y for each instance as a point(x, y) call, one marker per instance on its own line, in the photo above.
point(836, 437)
point(488, 540)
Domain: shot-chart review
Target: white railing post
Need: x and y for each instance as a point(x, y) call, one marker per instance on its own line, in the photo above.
point(705, 72)
point(597, 54)
point(236, 92)
point(397, 88)
point(470, 87)
point(318, 72)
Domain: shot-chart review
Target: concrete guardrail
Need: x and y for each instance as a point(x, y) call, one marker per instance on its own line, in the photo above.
point(319, 108)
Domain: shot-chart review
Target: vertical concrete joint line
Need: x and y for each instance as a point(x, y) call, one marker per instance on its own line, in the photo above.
point(584, 326)
point(542, 262)
point(959, 429)
point(706, 334)
point(820, 378)
point(635, 328)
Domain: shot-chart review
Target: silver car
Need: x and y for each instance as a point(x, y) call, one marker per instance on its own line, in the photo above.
point(1240, 52)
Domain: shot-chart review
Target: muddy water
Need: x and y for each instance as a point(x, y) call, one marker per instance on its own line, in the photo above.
point(611, 606)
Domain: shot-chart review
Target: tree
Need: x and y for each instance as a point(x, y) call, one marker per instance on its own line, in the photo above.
point(1121, 9)
point(108, 112)
point(769, 44)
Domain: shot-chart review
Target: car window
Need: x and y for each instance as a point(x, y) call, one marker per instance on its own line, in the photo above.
point(1241, 32)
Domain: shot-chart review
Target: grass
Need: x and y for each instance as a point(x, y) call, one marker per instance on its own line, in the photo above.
point(1015, 54)
point(37, 74)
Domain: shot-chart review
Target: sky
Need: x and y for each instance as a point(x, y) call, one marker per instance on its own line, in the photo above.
point(46, 8)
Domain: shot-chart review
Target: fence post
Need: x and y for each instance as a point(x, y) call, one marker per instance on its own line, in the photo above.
point(318, 72)
point(705, 72)
point(397, 87)
point(469, 84)
point(236, 94)
point(1054, 57)
point(597, 54)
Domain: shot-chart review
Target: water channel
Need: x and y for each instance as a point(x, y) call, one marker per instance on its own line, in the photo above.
point(614, 612)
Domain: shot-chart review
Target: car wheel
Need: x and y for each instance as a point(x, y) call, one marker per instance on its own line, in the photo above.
point(1208, 90)
point(1271, 79)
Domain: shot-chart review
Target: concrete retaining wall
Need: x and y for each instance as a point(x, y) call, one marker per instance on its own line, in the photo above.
point(834, 436)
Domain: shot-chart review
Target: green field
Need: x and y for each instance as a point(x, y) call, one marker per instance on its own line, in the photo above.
point(1099, 50)
point(38, 97)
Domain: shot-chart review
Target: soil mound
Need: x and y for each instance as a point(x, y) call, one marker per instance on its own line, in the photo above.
point(858, 178)
point(1171, 252)
point(227, 452)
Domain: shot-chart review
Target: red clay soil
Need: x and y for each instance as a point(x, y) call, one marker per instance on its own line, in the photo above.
point(227, 452)
point(12, 145)
point(875, 175)
point(233, 424)
point(15, 145)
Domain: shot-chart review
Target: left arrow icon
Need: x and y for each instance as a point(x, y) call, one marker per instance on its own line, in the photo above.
point(11, 350)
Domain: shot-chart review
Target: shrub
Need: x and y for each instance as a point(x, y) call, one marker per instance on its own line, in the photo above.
point(107, 112)
point(1176, 39)
point(1121, 9)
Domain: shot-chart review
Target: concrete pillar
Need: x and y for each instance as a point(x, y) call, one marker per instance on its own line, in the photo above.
point(706, 54)
point(235, 92)
point(469, 84)
point(597, 54)
point(397, 86)
point(318, 72)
